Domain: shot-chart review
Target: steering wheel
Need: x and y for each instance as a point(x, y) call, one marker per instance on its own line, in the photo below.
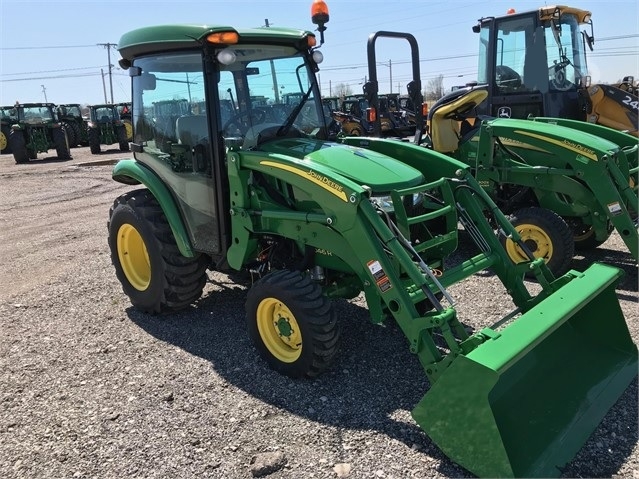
point(559, 80)
point(239, 124)
point(507, 77)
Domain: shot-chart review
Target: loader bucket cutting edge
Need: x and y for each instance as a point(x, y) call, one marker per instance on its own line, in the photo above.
point(524, 403)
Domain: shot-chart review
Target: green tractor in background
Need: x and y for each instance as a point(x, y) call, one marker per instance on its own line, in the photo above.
point(124, 110)
point(105, 128)
point(313, 221)
point(75, 125)
point(37, 130)
point(566, 184)
point(8, 116)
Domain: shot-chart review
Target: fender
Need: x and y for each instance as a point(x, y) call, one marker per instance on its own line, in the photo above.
point(132, 172)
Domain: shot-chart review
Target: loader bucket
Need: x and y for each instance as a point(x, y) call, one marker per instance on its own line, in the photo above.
point(525, 401)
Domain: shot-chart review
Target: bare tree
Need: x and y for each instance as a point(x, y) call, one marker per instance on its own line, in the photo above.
point(341, 90)
point(434, 88)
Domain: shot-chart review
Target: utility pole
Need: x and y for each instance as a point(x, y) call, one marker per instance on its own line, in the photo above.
point(103, 84)
point(276, 87)
point(44, 90)
point(108, 47)
point(390, 67)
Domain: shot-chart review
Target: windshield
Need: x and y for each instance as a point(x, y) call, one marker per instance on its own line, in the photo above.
point(104, 114)
point(263, 92)
point(268, 91)
point(565, 52)
point(37, 114)
point(531, 56)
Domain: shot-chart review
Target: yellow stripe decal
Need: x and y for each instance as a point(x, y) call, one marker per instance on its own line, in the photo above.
point(574, 147)
point(312, 176)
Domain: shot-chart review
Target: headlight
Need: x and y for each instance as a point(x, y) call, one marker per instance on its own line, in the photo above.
point(383, 202)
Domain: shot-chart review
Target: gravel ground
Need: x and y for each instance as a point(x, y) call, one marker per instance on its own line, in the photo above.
point(89, 387)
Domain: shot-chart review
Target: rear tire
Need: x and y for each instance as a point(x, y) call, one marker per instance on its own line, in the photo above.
point(94, 140)
point(584, 235)
point(61, 145)
point(5, 147)
point(18, 146)
point(128, 126)
point(546, 234)
point(152, 271)
point(292, 324)
point(77, 132)
point(122, 138)
point(71, 136)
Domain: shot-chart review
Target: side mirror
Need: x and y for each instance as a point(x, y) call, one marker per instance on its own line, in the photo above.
point(147, 81)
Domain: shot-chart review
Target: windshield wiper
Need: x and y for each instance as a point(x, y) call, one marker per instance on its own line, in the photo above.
point(284, 129)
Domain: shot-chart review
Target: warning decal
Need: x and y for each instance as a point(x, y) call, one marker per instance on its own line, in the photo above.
point(614, 208)
point(383, 283)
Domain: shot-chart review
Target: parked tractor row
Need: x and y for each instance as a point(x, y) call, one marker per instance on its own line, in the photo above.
point(31, 128)
point(264, 185)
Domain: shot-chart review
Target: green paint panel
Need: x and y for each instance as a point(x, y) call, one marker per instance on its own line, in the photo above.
point(367, 167)
point(169, 37)
point(522, 404)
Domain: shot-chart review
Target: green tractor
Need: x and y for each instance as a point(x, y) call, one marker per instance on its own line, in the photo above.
point(566, 184)
point(8, 116)
point(314, 221)
point(124, 110)
point(37, 130)
point(105, 128)
point(75, 125)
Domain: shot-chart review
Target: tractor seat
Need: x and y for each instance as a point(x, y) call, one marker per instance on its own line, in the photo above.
point(105, 119)
point(448, 112)
point(192, 129)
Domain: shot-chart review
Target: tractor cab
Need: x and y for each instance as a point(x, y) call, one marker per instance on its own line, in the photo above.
point(209, 90)
point(535, 62)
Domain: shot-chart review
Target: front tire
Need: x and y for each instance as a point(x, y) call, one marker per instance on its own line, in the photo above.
point(147, 261)
point(546, 235)
point(292, 324)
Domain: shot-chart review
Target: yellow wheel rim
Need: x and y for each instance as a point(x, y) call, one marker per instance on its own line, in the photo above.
point(279, 330)
point(3, 141)
point(134, 257)
point(129, 129)
point(537, 241)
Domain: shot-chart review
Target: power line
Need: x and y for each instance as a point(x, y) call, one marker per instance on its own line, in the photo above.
point(46, 47)
point(50, 71)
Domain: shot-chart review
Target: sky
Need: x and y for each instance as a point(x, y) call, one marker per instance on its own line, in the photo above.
point(58, 50)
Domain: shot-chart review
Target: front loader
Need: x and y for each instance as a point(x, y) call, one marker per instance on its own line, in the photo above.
point(584, 173)
point(313, 221)
point(567, 184)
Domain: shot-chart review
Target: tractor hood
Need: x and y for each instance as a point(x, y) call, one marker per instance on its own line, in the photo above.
point(381, 172)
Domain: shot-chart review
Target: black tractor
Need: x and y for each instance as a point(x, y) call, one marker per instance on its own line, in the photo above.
point(70, 116)
point(37, 130)
point(105, 128)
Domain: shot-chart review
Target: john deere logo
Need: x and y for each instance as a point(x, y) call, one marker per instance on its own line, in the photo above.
point(503, 112)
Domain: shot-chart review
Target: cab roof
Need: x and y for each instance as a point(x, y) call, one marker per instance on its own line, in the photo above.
point(176, 37)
